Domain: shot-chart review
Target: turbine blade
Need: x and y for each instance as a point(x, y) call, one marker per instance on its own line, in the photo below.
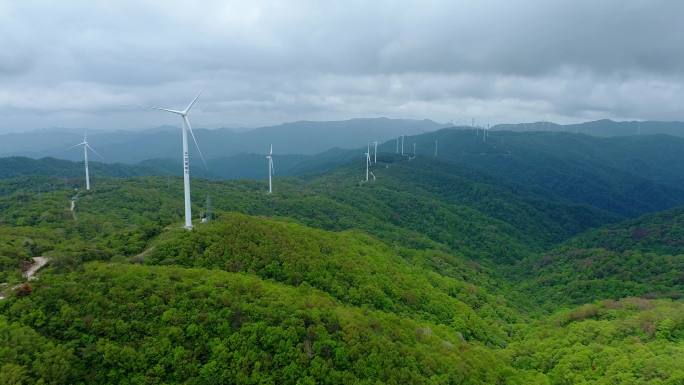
point(270, 161)
point(187, 123)
point(192, 103)
point(94, 152)
point(168, 110)
point(75, 145)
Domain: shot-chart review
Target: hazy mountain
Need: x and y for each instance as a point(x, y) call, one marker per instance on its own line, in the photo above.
point(304, 137)
point(604, 127)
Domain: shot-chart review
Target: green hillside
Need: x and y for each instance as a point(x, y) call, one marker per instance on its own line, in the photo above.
point(436, 272)
point(643, 257)
point(627, 176)
point(352, 267)
point(115, 323)
point(631, 341)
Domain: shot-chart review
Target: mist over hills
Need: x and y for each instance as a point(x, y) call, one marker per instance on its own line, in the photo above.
point(603, 127)
point(304, 138)
point(297, 138)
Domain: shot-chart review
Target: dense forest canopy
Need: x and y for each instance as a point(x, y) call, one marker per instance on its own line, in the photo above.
point(478, 266)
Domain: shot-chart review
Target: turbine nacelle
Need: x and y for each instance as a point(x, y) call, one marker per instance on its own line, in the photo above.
point(183, 113)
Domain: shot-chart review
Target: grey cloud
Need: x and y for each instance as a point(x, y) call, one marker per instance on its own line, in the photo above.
point(96, 63)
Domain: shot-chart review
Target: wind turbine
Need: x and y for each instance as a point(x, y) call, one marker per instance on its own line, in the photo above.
point(186, 158)
point(368, 163)
point(402, 144)
point(269, 157)
point(86, 147)
point(413, 156)
point(375, 152)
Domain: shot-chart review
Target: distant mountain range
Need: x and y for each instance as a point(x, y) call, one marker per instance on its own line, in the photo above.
point(298, 138)
point(303, 138)
point(604, 127)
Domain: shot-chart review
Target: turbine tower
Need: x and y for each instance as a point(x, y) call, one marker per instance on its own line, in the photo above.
point(186, 158)
point(436, 148)
point(368, 163)
point(402, 144)
point(269, 157)
point(86, 147)
point(375, 152)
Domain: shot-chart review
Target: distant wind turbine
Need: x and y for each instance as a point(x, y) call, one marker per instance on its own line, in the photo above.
point(368, 163)
point(269, 157)
point(86, 147)
point(186, 158)
point(402, 144)
point(413, 156)
point(375, 152)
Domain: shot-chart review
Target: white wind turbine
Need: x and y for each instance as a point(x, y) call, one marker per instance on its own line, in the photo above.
point(368, 163)
point(86, 147)
point(411, 157)
point(375, 152)
point(186, 158)
point(269, 157)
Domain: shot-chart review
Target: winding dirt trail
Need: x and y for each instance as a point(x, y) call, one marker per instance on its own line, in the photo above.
point(38, 263)
point(29, 274)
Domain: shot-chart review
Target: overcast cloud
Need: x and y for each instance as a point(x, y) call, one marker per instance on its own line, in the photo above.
point(95, 63)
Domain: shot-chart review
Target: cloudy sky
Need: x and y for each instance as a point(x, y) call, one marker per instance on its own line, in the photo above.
point(96, 64)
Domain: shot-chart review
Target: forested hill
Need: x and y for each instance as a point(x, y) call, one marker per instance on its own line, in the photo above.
point(13, 167)
point(435, 272)
point(626, 175)
point(241, 166)
point(639, 257)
